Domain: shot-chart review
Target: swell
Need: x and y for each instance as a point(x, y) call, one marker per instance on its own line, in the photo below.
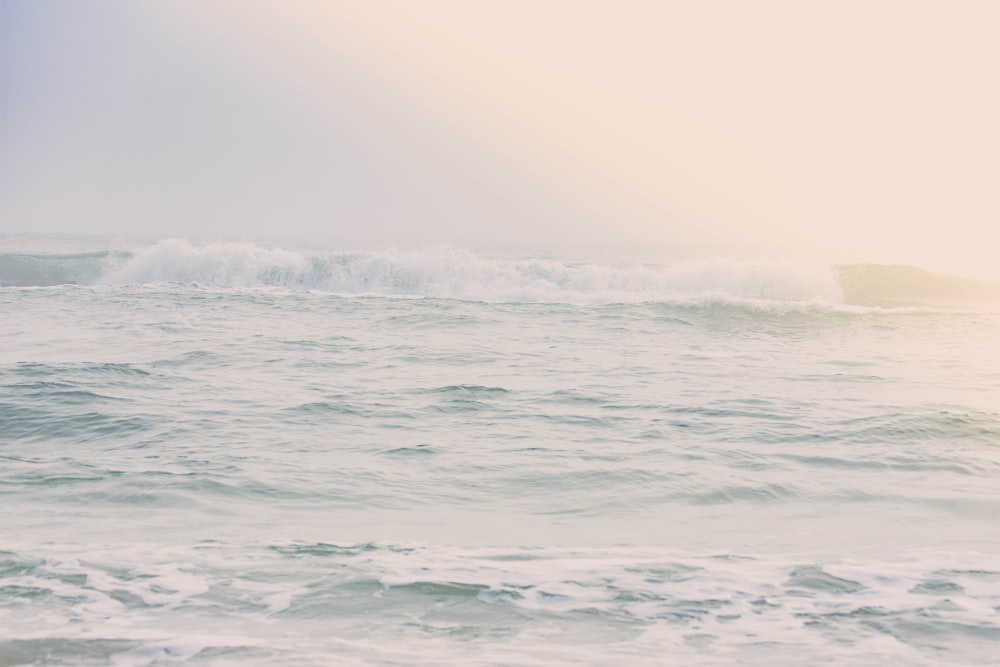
point(44, 270)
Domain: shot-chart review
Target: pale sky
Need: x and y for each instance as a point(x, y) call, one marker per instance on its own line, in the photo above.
point(866, 131)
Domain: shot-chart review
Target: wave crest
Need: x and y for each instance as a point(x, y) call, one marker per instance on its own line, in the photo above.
point(220, 264)
point(444, 272)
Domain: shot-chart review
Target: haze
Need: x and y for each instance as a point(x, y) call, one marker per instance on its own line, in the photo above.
point(863, 131)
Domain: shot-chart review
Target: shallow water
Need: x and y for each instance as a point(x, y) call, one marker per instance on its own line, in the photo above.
point(235, 454)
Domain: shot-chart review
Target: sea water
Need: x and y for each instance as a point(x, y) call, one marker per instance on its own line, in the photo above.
point(240, 454)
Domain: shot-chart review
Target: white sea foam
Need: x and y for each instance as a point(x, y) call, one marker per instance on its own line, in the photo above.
point(586, 606)
point(455, 273)
point(444, 272)
point(224, 264)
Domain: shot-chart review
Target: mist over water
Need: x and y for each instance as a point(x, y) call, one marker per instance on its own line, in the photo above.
point(455, 125)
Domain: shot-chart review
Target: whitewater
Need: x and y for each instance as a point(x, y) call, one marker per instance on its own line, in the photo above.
point(254, 453)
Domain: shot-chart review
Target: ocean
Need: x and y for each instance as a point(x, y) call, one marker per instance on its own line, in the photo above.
point(253, 454)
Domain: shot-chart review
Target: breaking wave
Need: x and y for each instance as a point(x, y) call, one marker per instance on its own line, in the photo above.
point(445, 272)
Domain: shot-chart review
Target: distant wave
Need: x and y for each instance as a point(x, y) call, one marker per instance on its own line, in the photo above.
point(444, 272)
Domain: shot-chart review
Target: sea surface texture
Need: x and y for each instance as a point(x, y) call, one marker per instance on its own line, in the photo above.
point(239, 454)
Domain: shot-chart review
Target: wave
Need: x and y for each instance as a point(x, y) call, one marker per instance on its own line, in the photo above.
point(444, 272)
point(43, 270)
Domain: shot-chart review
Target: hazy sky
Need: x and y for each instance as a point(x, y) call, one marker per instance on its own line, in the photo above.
point(866, 130)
